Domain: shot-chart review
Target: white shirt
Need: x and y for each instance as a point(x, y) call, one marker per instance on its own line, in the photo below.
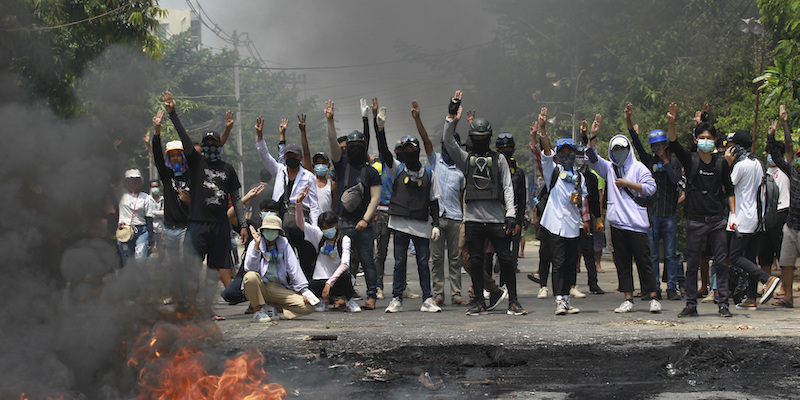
point(139, 205)
point(326, 265)
point(410, 226)
point(280, 172)
point(746, 178)
point(560, 217)
point(783, 185)
point(158, 213)
point(325, 198)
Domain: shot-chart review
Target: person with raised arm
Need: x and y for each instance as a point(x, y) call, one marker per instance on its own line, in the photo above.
point(626, 214)
point(663, 206)
point(357, 195)
point(489, 198)
point(214, 183)
point(290, 179)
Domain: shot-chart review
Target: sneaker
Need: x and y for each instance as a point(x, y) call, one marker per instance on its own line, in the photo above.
point(534, 277)
point(379, 294)
point(352, 306)
point(516, 309)
point(357, 296)
point(596, 290)
point(321, 306)
point(724, 312)
point(561, 307)
point(655, 306)
point(709, 298)
point(496, 297)
point(626, 306)
point(769, 288)
point(576, 293)
point(429, 305)
point(396, 305)
point(261, 316)
point(475, 308)
point(746, 304)
point(542, 293)
point(408, 294)
point(272, 312)
point(360, 272)
point(570, 308)
point(688, 312)
point(673, 294)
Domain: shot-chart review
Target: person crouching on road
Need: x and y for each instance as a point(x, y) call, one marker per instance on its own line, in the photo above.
point(628, 219)
point(271, 264)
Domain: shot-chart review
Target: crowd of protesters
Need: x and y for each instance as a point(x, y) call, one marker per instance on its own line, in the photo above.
point(316, 222)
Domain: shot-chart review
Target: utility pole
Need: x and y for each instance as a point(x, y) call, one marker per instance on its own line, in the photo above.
point(238, 112)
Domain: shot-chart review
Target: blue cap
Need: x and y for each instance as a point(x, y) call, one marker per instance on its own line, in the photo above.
point(656, 136)
point(564, 142)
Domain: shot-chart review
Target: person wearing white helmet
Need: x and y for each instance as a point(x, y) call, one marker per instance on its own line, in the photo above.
point(135, 224)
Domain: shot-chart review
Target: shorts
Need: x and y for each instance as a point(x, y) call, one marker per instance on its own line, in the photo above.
point(211, 240)
point(790, 247)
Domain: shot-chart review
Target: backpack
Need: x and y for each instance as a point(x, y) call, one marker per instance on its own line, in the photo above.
point(323, 240)
point(544, 193)
point(767, 202)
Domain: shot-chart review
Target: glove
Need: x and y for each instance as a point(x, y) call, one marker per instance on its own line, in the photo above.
point(733, 222)
point(435, 233)
point(511, 223)
point(364, 108)
point(381, 118)
point(452, 109)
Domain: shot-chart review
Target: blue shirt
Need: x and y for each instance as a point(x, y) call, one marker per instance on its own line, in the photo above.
point(449, 184)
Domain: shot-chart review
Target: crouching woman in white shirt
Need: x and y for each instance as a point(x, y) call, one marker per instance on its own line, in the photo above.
point(271, 264)
point(331, 276)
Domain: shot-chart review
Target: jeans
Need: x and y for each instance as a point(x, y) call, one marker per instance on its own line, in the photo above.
point(743, 252)
point(136, 247)
point(697, 233)
point(382, 241)
point(401, 240)
point(173, 243)
point(666, 229)
point(362, 243)
point(448, 240)
point(476, 234)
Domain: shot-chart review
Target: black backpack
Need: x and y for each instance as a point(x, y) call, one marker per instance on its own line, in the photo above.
point(544, 193)
point(767, 202)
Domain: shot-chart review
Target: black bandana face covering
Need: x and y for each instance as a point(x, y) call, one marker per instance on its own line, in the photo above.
point(356, 155)
point(292, 163)
point(566, 160)
point(211, 153)
point(480, 146)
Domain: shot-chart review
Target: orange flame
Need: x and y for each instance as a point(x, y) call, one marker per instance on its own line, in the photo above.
point(172, 366)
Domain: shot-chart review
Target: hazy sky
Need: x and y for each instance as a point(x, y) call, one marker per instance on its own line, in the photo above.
point(304, 33)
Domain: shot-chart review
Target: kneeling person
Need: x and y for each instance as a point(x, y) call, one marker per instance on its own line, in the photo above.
point(271, 264)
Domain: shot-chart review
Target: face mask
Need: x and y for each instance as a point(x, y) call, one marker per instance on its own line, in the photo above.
point(618, 157)
point(412, 160)
point(656, 147)
point(177, 169)
point(156, 191)
point(330, 232)
point(356, 155)
point(292, 163)
point(566, 160)
point(270, 234)
point(509, 155)
point(268, 213)
point(770, 161)
point(705, 145)
point(321, 170)
point(579, 162)
point(480, 146)
point(211, 153)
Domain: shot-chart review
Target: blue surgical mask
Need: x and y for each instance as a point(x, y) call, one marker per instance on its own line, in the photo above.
point(705, 145)
point(330, 232)
point(770, 161)
point(157, 191)
point(321, 170)
point(268, 213)
point(270, 234)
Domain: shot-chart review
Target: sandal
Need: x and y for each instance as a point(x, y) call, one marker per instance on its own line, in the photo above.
point(782, 303)
point(216, 317)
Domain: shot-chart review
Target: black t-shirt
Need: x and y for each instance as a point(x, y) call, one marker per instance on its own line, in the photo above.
point(706, 192)
point(373, 178)
point(211, 183)
point(176, 213)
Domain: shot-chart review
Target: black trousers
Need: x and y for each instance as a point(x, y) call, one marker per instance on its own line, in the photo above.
point(343, 287)
point(587, 250)
point(564, 252)
point(629, 246)
point(697, 233)
point(475, 235)
point(743, 251)
point(545, 255)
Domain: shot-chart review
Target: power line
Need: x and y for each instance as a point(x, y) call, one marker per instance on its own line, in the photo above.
point(46, 28)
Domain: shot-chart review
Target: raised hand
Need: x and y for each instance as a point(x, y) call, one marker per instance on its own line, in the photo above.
point(259, 126)
point(783, 115)
point(458, 114)
point(169, 103)
point(283, 125)
point(543, 119)
point(636, 128)
point(470, 116)
point(628, 111)
point(252, 193)
point(672, 115)
point(380, 117)
point(302, 195)
point(773, 127)
point(414, 109)
point(329, 110)
point(229, 120)
point(596, 125)
point(146, 138)
point(301, 122)
point(157, 119)
point(698, 118)
point(455, 103)
point(364, 108)
point(256, 236)
point(374, 107)
point(584, 128)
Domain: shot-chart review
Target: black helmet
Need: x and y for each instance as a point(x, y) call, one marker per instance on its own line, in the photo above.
point(356, 136)
point(409, 141)
point(480, 126)
point(504, 139)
